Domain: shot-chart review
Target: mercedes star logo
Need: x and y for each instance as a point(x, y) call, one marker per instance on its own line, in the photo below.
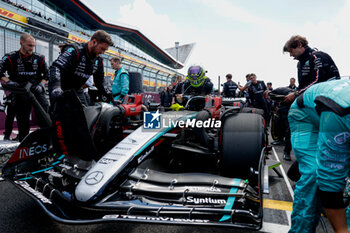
point(94, 178)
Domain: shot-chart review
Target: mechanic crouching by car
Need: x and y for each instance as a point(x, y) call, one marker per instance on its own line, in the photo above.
point(70, 71)
point(25, 66)
point(230, 87)
point(120, 86)
point(320, 125)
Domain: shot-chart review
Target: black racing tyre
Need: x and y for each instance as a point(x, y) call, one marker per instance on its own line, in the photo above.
point(135, 83)
point(106, 119)
point(253, 110)
point(242, 142)
point(275, 128)
point(201, 133)
point(102, 136)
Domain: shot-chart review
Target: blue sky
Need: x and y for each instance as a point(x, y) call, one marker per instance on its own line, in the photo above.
point(238, 36)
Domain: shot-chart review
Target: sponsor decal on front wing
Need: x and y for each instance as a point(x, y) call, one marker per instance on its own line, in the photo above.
point(205, 200)
point(160, 219)
point(38, 194)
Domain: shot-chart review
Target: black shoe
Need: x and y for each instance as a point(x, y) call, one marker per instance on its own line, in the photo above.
point(7, 138)
point(287, 157)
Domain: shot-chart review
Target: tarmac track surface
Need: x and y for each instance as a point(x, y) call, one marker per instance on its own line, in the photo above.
point(20, 213)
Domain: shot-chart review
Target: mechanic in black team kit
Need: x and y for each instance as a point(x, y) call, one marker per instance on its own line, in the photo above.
point(230, 87)
point(70, 71)
point(76, 63)
point(256, 89)
point(313, 66)
point(25, 66)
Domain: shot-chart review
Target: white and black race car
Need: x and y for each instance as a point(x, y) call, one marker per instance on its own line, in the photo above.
point(177, 172)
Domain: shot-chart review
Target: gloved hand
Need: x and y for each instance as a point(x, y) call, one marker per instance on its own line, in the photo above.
point(116, 102)
point(12, 84)
point(38, 89)
point(57, 92)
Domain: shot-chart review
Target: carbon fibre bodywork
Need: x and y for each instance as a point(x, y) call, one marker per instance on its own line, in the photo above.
point(155, 176)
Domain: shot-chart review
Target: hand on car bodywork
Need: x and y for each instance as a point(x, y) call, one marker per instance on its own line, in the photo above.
point(56, 93)
point(116, 102)
point(12, 84)
point(290, 98)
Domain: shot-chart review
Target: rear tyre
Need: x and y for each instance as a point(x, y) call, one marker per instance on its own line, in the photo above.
point(135, 83)
point(242, 142)
point(108, 130)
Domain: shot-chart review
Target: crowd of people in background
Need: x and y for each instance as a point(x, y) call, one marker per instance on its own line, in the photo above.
point(36, 13)
point(83, 33)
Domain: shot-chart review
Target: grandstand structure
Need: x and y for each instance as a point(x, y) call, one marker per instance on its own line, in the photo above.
point(53, 22)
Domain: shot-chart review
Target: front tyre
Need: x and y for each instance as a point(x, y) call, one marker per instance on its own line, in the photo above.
point(242, 142)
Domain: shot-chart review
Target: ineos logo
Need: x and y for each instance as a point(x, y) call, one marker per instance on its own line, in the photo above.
point(94, 178)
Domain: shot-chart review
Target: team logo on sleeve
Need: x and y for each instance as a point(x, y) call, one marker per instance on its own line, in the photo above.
point(342, 138)
point(69, 50)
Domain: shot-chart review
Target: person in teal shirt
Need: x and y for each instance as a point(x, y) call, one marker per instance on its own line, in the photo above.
point(320, 126)
point(120, 85)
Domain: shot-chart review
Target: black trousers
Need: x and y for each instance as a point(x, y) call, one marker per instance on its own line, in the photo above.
point(10, 117)
point(23, 108)
point(72, 133)
point(285, 123)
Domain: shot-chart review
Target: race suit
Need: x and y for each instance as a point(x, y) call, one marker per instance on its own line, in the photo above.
point(315, 67)
point(23, 69)
point(229, 89)
point(70, 71)
point(205, 89)
point(73, 68)
point(120, 86)
point(322, 147)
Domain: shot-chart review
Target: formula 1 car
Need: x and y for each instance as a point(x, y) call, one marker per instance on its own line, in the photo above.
point(169, 170)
